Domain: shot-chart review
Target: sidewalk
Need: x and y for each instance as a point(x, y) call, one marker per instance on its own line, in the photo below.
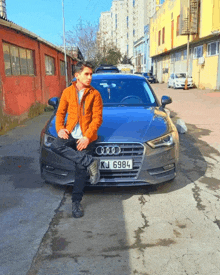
point(198, 107)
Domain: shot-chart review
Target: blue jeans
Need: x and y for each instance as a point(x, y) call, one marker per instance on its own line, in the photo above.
point(81, 160)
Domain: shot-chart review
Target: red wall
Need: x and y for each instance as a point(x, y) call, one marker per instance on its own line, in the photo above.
point(20, 92)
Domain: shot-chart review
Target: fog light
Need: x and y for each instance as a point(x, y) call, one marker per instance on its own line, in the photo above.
point(50, 168)
point(169, 166)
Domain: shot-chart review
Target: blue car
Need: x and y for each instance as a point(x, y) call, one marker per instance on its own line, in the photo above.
point(138, 144)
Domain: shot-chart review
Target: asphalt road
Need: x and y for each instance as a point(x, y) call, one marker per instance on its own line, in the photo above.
point(172, 229)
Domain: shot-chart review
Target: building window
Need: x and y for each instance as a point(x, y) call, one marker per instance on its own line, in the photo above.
point(213, 48)
point(18, 61)
point(62, 67)
point(161, 2)
point(73, 69)
point(133, 32)
point(172, 57)
point(49, 65)
point(184, 54)
point(127, 21)
point(133, 3)
point(159, 33)
point(198, 52)
point(178, 25)
point(127, 49)
point(178, 56)
point(163, 35)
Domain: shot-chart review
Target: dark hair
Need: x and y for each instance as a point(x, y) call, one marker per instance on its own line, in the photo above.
point(81, 65)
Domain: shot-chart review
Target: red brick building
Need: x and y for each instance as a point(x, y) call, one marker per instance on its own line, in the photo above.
point(31, 69)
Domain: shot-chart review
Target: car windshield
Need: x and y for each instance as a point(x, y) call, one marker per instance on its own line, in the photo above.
point(107, 71)
point(129, 92)
point(181, 75)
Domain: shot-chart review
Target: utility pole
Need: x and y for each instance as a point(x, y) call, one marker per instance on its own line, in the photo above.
point(189, 27)
point(64, 45)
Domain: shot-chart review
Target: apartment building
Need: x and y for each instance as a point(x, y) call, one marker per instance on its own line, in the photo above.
point(105, 29)
point(168, 48)
point(128, 28)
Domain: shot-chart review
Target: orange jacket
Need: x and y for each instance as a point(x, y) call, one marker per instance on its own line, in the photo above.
point(88, 113)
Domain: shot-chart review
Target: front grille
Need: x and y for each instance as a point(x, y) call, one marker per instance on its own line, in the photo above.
point(134, 151)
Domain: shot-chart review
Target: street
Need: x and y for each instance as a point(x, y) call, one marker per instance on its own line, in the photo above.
point(170, 229)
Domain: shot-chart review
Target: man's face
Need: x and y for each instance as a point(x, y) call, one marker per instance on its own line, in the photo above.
point(84, 77)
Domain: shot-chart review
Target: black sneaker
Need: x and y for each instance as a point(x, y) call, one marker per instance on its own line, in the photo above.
point(77, 210)
point(93, 170)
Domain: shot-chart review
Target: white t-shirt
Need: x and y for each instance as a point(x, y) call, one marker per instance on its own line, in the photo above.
point(77, 133)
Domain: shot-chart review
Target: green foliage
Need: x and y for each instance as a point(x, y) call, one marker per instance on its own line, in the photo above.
point(112, 57)
point(126, 60)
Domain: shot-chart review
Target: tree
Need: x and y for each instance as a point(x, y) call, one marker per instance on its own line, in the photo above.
point(113, 56)
point(126, 60)
point(84, 37)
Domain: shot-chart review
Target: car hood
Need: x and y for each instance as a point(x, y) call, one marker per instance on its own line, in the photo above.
point(129, 124)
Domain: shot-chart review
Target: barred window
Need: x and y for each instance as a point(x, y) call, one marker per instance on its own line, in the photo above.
point(18, 61)
point(185, 54)
point(198, 52)
point(213, 48)
point(62, 67)
point(49, 65)
point(178, 56)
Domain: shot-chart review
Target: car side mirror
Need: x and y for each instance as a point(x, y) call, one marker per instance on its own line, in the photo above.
point(164, 101)
point(54, 101)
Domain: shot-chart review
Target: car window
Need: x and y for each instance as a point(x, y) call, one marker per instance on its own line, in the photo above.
point(107, 71)
point(125, 91)
point(180, 75)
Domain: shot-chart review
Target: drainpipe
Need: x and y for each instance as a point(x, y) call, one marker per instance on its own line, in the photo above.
point(218, 74)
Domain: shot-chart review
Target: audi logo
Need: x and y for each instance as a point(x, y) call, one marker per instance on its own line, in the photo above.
point(108, 150)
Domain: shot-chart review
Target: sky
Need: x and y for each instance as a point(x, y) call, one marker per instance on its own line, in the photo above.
point(45, 17)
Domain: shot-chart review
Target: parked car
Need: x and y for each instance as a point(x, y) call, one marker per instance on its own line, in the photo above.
point(149, 77)
point(106, 69)
point(138, 144)
point(177, 80)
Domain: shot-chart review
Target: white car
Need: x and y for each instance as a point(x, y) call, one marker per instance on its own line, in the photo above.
point(177, 80)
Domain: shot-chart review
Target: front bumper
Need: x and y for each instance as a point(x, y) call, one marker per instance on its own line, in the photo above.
point(182, 85)
point(151, 166)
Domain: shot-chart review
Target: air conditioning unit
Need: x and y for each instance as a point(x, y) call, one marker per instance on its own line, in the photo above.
point(201, 60)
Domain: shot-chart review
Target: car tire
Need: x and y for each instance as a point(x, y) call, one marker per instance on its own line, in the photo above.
point(174, 86)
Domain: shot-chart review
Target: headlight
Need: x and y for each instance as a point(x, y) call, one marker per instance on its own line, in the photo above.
point(48, 140)
point(166, 140)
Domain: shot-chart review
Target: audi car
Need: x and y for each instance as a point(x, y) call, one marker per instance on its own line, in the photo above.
point(138, 144)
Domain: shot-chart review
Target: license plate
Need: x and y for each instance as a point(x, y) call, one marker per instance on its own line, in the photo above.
point(124, 164)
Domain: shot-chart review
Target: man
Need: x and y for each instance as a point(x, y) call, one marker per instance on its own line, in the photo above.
point(77, 135)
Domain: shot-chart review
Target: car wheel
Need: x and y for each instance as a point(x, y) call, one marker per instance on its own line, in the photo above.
point(168, 86)
point(174, 86)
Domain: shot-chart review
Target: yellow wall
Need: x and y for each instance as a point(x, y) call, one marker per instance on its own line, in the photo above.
point(204, 76)
point(162, 18)
point(216, 15)
point(209, 21)
point(206, 10)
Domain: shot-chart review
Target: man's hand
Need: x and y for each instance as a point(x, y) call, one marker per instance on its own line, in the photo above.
point(63, 133)
point(82, 143)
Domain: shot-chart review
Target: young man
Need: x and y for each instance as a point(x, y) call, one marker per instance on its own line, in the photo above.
point(77, 135)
